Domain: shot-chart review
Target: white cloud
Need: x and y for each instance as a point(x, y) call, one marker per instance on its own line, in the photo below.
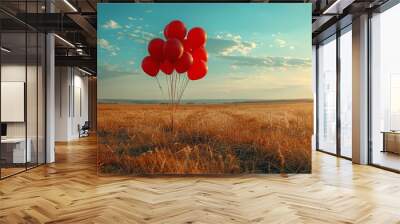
point(136, 33)
point(104, 44)
point(234, 67)
point(111, 24)
point(229, 44)
point(292, 47)
point(108, 70)
point(131, 18)
point(280, 42)
point(269, 62)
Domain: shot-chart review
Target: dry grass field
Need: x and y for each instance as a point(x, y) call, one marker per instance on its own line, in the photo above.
point(206, 139)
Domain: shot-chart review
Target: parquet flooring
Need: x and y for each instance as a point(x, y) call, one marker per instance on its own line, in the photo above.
point(70, 191)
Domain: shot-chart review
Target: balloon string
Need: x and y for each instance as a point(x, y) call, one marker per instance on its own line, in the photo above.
point(179, 83)
point(169, 90)
point(184, 88)
point(184, 83)
point(180, 87)
point(176, 86)
point(172, 89)
point(175, 92)
point(178, 78)
point(173, 82)
point(159, 86)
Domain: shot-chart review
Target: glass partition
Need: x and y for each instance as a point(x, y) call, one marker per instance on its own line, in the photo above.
point(22, 77)
point(346, 92)
point(31, 100)
point(327, 95)
point(41, 97)
point(14, 153)
point(385, 89)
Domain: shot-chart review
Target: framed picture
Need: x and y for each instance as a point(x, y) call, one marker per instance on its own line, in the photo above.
point(188, 88)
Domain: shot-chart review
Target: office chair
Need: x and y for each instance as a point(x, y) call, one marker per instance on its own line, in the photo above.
point(84, 130)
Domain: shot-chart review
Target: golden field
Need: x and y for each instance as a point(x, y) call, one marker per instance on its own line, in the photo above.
point(235, 138)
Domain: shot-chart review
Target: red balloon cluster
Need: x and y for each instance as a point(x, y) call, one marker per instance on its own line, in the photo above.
point(180, 52)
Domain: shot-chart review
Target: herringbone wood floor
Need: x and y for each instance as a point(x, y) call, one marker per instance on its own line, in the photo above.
point(70, 191)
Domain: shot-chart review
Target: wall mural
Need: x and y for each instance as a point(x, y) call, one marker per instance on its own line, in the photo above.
point(204, 88)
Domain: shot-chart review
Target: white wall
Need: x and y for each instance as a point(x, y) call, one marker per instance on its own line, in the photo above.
point(71, 87)
point(62, 82)
point(80, 110)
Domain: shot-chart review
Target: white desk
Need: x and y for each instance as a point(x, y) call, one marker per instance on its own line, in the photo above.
point(19, 155)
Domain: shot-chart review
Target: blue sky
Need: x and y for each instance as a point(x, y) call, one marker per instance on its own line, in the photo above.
point(256, 51)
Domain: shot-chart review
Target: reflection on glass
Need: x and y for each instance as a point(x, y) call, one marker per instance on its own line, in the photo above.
point(22, 92)
point(327, 96)
point(14, 153)
point(31, 101)
point(41, 99)
point(395, 102)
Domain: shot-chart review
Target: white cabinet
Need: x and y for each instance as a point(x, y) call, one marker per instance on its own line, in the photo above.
point(19, 155)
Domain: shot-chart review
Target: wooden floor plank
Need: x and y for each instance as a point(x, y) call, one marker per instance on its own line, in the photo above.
point(70, 191)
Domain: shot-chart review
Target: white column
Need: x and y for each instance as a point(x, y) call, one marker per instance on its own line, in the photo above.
point(50, 92)
point(360, 90)
point(50, 100)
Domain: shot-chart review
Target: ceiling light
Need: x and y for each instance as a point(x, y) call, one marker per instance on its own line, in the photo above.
point(5, 50)
point(338, 6)
point(84, 71)
point(65, 41)
point(70, 5)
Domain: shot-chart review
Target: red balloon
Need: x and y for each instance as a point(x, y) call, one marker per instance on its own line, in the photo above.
point(165, 31)
point(197, 37)
point(173, 50)
point(186, 45)
point(156, 49)
point(175, 29)
point(150, 66)
point(200, 54)
point(198, 70)
point(167, 67)
point(184, 63)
